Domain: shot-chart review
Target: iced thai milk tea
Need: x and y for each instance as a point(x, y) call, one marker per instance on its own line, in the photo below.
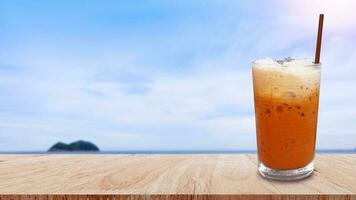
point(286, 95)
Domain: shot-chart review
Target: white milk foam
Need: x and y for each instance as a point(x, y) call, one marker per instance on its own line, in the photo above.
point(303, 68)
point(287, 75)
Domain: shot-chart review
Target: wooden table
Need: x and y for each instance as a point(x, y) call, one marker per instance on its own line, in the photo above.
point(153, 176)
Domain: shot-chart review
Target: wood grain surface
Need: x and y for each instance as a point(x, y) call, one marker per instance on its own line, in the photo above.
point(152, 176)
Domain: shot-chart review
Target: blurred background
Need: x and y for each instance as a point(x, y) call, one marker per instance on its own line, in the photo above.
point(163, 75)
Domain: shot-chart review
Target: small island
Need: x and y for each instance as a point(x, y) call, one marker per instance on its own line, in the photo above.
point(79, 145)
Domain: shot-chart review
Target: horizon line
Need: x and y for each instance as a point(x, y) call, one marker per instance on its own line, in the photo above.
point(165, 151)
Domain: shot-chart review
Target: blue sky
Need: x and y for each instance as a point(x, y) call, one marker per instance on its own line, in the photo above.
point(162, 75)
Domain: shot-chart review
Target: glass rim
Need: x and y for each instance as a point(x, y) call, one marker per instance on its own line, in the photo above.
point(309, 64)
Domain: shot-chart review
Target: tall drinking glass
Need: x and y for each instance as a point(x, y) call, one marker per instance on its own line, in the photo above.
point(286, 95)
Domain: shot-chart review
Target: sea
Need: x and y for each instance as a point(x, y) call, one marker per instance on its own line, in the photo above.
point(322, 151)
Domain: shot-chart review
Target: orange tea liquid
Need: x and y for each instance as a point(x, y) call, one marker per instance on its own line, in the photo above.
point(286, 109)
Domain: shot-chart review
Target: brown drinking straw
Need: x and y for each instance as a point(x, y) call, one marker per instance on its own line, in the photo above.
point(318, 41)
